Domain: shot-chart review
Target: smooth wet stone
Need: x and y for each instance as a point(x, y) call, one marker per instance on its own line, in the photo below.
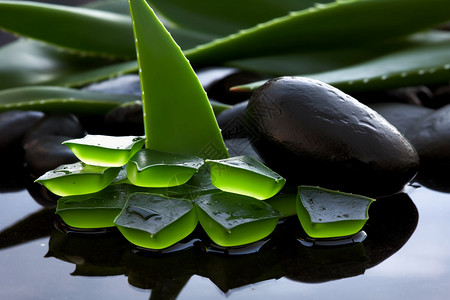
point(403, 116)
point(314, 134)
point(58, 124)
point(46, 153)
point(217, 82)
point(232, 121)
point(126, 119)
point(431, 136)
point(123, 85)
point(43, 146)
point(14, 124)
point(240, 147)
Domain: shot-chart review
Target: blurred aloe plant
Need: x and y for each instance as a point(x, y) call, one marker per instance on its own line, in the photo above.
point(355, 45)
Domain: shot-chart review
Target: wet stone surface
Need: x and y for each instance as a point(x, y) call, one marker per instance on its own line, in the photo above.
point(123, 85)
point(42, 143)
point(15, 124)
point(312, 133)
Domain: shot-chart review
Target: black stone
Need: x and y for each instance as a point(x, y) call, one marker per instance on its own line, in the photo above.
point(431, 136)
point(312, 133)
point(14, 124)
point(403, 116)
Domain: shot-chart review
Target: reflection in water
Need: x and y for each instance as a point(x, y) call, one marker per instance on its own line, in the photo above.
point(434, 176)
point(392, 221)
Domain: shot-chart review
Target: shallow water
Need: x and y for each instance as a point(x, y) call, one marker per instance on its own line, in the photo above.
point(105, 267)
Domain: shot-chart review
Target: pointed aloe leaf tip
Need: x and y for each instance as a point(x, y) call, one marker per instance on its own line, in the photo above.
point(177, 114)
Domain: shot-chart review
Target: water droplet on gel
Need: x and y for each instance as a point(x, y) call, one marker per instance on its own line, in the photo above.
point(145, 213)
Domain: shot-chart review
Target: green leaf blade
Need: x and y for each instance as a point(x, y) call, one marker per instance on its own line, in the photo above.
point(422, 59)
point(53, 98)
point(88, 31)
point(175, 104)
point(334, 25)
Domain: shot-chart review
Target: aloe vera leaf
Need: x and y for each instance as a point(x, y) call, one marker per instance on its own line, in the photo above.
point(88, 31)
point(233, 220)
point(325, 213)
point(26, 62)
point(309, 62)
point(178, 117)
point(246, 176)
point(107, 151)
point(115, 6)
point(334, 25)
point(85, 77)
point(426, 61)
point(78, 179)
point(156, 222)
point(225, 16)
point(96, 210)
point(52, 98)
point(150, 168)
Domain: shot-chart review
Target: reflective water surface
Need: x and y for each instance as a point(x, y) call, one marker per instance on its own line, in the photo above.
point(406, 255)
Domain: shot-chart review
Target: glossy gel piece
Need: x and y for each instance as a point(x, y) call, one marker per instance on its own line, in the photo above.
point(150, 168)
point(234, 220)
point(103, 150)
point(96, 210)
point(246, 176)
point(156, 222)
point(330, 214)
point(78, 179)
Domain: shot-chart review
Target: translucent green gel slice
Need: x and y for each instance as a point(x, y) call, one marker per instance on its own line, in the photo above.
point(328, 214)
point(78, 178)
point(108, 151)
point(97, 210)
point(245, 175)
point(156, 222)
point(151, 168)
point(233, 220)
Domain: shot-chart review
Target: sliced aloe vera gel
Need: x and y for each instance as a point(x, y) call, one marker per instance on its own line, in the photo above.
point(96, 210)
point(246, 176)
point(78, 179)
point(234, 220)
point(151, 168)
point(329, 214)
point(103, 150)
point(156, 222)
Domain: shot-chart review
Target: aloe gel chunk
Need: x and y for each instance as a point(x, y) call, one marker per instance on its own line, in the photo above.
point(245, 175)
point(78, 178)
point(151, 168)
point(156, 222)
point(330, 214)
point(96, 210)
point(234, 220)
point(103, 150)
